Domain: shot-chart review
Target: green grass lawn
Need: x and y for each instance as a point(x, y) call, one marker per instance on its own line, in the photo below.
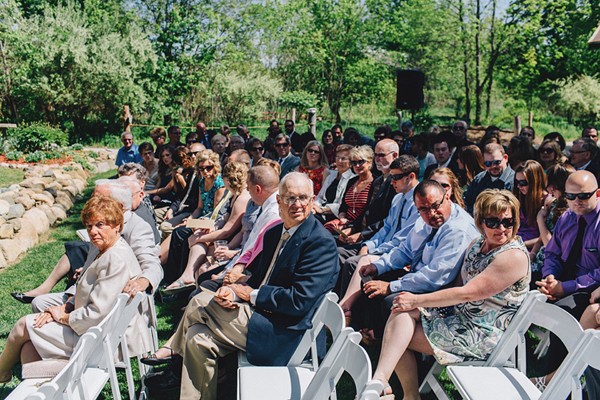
point(9, 176)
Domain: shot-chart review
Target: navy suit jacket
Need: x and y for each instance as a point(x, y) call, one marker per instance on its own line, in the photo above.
point(304, 272)
point(289, 164)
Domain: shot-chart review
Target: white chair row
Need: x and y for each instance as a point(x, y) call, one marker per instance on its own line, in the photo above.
point(92, 363)
point(495, 381)
point(299, 380)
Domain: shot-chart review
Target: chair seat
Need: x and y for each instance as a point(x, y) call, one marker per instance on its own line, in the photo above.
point(492, 383)
point(273, 383)
point(47, 369)
point(94, 380)
point(26, 388)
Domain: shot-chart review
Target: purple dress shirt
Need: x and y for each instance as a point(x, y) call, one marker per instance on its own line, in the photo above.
point(557, 252)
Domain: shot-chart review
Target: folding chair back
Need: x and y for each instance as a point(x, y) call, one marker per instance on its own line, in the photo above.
point(69, 382)
point(351, 358)
point(330, 315)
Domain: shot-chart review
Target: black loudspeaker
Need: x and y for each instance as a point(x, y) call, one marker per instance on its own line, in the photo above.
point(409, 89)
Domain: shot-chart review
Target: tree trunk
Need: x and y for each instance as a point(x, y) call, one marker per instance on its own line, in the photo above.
point(463, 30)
point(490, 69)
point(9, 97)
point(478, 85)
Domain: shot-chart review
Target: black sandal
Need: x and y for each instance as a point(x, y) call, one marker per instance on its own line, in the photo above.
point(23, 298)
point(152, 360)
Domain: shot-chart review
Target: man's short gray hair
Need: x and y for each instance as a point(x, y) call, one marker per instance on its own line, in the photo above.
point(138, 170)
point(126, 134)
point(296, 177)
point(118, 191)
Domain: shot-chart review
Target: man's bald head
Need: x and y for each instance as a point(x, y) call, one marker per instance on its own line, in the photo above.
point(581, 184)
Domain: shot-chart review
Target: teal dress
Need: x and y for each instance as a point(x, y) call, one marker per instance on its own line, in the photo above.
point(208, 196)
point(470, 331)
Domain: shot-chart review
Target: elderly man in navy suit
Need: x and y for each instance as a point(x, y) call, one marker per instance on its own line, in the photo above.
point(267, 315)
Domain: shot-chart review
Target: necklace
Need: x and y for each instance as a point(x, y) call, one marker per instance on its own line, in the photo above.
point(354, 191)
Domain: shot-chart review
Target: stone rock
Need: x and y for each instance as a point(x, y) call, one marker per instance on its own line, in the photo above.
point(64, 182)
point(61, 215)
point(9, 196)
point(43, 197)
point(33, 182)
point(26, 201)
point(27, 236)
point(39, 220)
point(73, 191)
point(49, 173)
point(49, 213)
point(79, 184)
point(16, 224)
point(16, 211)
point(3, 263)
point(6, 231)
point(52, 192)
point(11, 249)
point(2, 221)
point(64, 201)
point(4, 207)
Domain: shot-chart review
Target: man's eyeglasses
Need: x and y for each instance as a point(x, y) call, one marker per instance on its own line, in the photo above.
point(208, 168)
point(580, 196)
point(357, 163)
point(578, 151)
point(381, 155)
point(291, 200)
point(433, 207)
point(397, 177)
point(494, 223)
point(282, 144)
point(522, 183)
point(194, 153)
point(495, 163)
point(257, 148)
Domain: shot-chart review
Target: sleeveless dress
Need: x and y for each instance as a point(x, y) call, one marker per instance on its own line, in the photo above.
point(315, 175)
point(470, 331)
point(208, 196)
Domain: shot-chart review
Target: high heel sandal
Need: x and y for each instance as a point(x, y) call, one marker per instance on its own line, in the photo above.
point(152, 360)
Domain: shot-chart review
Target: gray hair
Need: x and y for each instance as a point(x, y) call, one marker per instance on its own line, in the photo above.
point(126, 134)
point(118, 191)
point(138, 170)
point(296, 177)
point(132, 183)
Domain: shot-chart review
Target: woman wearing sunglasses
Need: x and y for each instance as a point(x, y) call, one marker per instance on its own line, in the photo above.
point(314, 164)
point(449, 181)
point(549, 154)
point(554, 206)
point(530, 189)
point(464, 322)
point(358, 193)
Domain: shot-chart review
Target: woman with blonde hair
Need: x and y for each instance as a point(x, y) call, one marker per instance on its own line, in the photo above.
point(449, 181)
point(464, 322)
point(314, 164)
point(201, 241)
point(530, 189)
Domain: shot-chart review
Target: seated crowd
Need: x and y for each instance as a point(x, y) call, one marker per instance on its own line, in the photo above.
point(431, 242)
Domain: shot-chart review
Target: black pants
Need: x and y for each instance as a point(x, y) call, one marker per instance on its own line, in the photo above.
point(344, 253)
point(179, 251)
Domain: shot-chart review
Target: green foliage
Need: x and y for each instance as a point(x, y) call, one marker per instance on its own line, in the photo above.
point(579, 99)
point(299, 99)
point(33, 137)
point(14, 155)
point(76, 146)
point(35, 157)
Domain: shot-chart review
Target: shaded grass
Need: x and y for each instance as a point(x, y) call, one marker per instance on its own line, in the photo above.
point(9, 176)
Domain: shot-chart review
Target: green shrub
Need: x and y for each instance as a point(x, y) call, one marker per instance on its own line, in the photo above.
point(14, 155)
point(76, 146)
point(83, 161)
point(36, 156)
point(34, 137)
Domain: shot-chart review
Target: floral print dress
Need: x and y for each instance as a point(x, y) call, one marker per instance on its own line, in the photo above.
point(470, 331)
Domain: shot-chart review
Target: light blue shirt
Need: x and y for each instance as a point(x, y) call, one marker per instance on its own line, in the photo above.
point(127, 156)
point(394, 224)
point(442, 256)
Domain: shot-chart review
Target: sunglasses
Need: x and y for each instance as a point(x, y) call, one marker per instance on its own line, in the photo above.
point(282, 144)
point(546, 150)
point(257, 148)
point(313, 151)
point(357, 163)
point(208, 168)
point(397, 177)
point(495, 163)
point(494, 223)
point(580, 196)
point(444, 185)
point(381, 155)
point(522, 182)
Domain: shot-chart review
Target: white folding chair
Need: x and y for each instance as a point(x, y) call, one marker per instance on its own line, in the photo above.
point(513, 338)
point(149, 308)
point(328, 314)
point(495, 381)
point(297, 383)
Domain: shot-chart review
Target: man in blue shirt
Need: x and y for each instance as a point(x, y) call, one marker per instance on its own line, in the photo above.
point(428, 259)
point(129, 152)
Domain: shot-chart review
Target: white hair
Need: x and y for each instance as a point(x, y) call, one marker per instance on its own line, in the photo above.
point(118, 191)
point(296, 177)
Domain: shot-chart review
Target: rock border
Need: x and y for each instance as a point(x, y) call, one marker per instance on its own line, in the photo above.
point(41, 200)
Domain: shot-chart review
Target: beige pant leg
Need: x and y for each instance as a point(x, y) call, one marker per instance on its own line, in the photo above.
point(217, 333)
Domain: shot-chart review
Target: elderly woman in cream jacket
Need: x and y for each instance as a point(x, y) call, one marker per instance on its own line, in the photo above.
point(54, 333)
